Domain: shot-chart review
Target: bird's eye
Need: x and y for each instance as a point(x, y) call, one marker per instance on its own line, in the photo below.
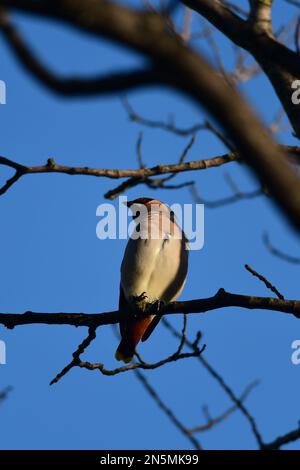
point(136, 214)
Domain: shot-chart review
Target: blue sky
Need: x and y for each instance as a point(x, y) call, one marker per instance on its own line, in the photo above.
point(52, 261)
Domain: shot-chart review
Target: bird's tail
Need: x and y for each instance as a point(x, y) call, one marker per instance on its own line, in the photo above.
point(125, 351)
point(132, 332)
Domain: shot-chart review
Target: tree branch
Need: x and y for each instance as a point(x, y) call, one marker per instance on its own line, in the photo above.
point(280, 64)
point(220, 300)
point(177, 423)
point(283, 440)
point(136, 176)
point(211, 422)
point(273, 445)
point(265, 281)
point(149, 34)
point(76, 86)
point(4, 393)
point(279, 253)
point(261, 15)
point(223, 384)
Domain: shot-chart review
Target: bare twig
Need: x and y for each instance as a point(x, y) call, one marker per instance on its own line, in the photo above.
point(264, 280)
point(160, 183)
point(229, 392)
point(237, 195)
point(76, 86)
point(211, 422)
point(140, 365)
point(137, 176)
point(293, 2)
point(20, 170)
point(176, 356)
point(283, 440)
point(139, 150)
point(168, 126)
point(155, 396)
point(76, 355)
point(187, 22)
point(274, 445)
point(146, 33)
point(279, 253)
point(168, 412)
point(4, 393)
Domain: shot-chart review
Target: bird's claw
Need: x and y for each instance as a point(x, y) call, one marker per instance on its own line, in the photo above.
point(140, 303)
point(140, 298)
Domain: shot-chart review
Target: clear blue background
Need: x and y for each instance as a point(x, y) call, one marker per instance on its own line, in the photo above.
point(52, 261)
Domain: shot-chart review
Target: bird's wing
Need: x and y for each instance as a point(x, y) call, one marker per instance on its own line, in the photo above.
point(123, 308)
point(151, 328)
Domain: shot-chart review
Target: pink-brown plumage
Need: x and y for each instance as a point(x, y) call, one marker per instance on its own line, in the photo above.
point(154, 265)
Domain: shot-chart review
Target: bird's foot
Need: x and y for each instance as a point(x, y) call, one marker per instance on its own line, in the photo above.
point(140, 298)
point(140, 302)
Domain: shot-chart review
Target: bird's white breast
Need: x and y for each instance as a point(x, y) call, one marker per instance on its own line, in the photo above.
point(157, 267)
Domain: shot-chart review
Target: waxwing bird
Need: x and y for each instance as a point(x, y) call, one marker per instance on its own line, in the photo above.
point(153, 269)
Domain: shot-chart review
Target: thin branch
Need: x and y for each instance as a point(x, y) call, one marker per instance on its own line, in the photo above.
point(20, 170)
point(283, 440)
point(265, 281)
point(76, 86)
point(136, 176)
point(4, 392)
point(237, 196)
point(155, 396)
point(186, 70)
point(139, 365)
point(294, 2)
point(178, 424)
point(187, 23)
point(160, 183)
point(76, 355)
point(176, 356)
point(139, 150)
point(275, 444)
point(279, 253)
point(219, 379)
point(211, 422)
point(168, 126)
